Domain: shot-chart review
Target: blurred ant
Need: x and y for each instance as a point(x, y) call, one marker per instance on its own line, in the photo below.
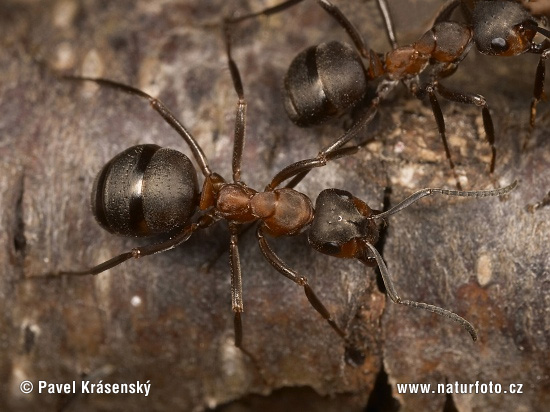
point(507, 28)
point(539, 7)
point(545, 201)
point(327, 80)
point(147, 190)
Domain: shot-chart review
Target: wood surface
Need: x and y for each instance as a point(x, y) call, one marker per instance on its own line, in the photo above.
point(167, 318)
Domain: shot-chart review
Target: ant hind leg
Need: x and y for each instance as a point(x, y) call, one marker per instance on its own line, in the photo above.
point(135, 253)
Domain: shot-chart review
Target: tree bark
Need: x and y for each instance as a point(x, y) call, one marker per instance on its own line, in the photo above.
point(166, 319)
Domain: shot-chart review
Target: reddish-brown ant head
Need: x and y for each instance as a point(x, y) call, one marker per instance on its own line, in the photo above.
point(503, 28)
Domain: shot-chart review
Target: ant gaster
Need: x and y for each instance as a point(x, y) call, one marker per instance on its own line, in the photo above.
point(326, 80)
point(506, 28)
point(147, 190)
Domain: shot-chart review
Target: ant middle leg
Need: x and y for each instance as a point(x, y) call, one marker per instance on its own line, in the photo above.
point(237, 297)
point(388, 22)
point(240, 115)
point(236, 284)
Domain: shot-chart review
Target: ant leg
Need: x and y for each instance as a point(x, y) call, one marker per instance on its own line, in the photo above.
point(266, 12)
point(240, 116)
point(237, 297)
point(390, 289)
point(479, 101)
point(436, 109)
point(136, 253)
point(240, 122)
point(538, 94)
point(430, 192)
point(386, 15)
point(541, 203)
point(156, 104)
point(444, 13)
point(330, 8)
point(364, 120)
point(282, 268)
point(350, 29)
point(236, 284)
point(300, 169)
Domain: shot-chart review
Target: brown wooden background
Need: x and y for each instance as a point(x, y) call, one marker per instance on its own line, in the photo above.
point(486, 259)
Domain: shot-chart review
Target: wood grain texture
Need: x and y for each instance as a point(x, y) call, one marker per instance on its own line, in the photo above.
point(167, 318)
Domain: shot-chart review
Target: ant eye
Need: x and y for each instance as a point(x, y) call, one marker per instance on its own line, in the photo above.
point(330, 248)
point(498, 44)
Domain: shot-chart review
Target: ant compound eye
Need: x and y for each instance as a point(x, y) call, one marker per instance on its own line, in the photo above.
point(341, 194)
point(345, 195)
point(330, 248)
point(499, 45)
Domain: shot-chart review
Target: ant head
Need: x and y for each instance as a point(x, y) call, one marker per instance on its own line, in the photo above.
point(503, 28)
point(340, 224)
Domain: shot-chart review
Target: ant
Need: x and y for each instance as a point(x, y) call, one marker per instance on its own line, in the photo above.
point(539, 7)
point(147, 190)
point(327, 80)
point(506, 28)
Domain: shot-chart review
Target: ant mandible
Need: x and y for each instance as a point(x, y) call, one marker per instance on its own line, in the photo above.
point(327, 80)
point(147, 190)
point(506, 28)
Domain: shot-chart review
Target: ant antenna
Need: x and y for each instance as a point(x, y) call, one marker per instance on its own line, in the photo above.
point(432, 191)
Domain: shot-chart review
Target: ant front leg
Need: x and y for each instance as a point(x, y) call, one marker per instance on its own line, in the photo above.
point(541, 203)
point(298, 170)
point(538, 93)
point(283, 268)
point(479, 101)
point(438, 114)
